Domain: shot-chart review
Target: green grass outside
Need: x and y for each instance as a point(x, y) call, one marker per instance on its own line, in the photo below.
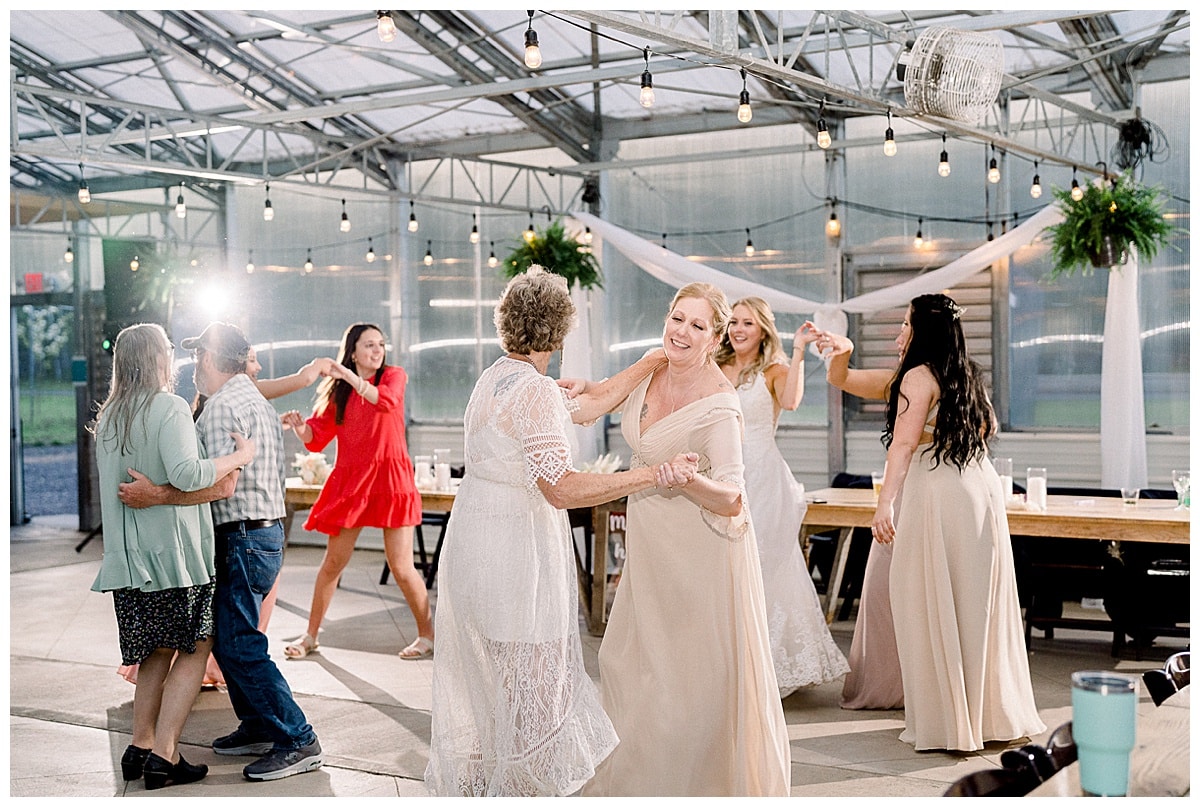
point(48, 414)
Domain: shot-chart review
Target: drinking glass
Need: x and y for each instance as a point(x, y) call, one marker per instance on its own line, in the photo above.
point(1182, 480)
point(1004, 471)
point(1129, 496)
point(1103, 722)
point(423, 470)
point(876, 482)
point(1035, 489)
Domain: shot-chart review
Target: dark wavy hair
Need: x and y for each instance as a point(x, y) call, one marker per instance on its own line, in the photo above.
point(965, 421)
point(336, 389)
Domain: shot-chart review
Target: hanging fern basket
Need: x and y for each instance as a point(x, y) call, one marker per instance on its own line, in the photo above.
point(557, 252)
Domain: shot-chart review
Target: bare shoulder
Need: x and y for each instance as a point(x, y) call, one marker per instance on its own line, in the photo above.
point(919, 382)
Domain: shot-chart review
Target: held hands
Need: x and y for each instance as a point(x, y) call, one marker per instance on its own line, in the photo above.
point(678, 472)
point(832, 344)
point(293, 420)
point(806, 334)
point(316, 368)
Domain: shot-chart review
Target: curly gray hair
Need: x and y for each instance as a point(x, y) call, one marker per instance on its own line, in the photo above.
point(535, 312)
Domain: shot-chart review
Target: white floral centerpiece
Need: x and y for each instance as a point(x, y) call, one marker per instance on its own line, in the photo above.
point(313, 468)
point(605, 464)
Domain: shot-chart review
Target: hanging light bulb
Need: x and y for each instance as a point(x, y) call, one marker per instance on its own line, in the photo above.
point(989, 235)
point(250, 262)
point(1076, 191)
point(308, 264)
point(529, 234)
point(134, 264)
point(889, 138)
point(385, 26)
point(833, 227)
point(944, 160)
point(345, 223)
point(749, 245)
point(919, 239)
point(370, 251)
point(492, 260)
point(180, 207)
point(745, 113)
point(268, 211)
point(85, 195)
point(1035, 190)
point(587, 235)
point(69, 255)
point(413, 224)
point(646, 96)
point(823, 138)
point(474, 237)
point(533, 54)
point(993, 173)
point(429, 253)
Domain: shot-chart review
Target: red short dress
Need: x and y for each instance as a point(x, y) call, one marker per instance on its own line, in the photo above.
point(372, 483)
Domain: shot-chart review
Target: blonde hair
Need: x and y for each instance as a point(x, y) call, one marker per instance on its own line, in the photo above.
point(535, 312)
point(770, 347)
point(721, 312)
point(141, 369)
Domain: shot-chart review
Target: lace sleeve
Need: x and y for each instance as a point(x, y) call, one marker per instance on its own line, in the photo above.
point(541, 422)
point(718, 439)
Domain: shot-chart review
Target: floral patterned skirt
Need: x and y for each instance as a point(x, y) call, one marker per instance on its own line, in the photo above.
point(176, 618)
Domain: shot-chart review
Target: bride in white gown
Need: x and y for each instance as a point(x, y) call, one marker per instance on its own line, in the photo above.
point(751, 357)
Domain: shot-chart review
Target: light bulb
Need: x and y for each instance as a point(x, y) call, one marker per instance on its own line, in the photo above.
point(413, 225)
point(386, 27)
point(134, 264)
point(1076, 191)
point(823, 138)
point(918, 240)
point(492, 260)
point(745, 113)
point(250, 264)
point(889, 143)
point(587, 235)
point(833, 227)
point(944, 165)
point(370, 251)
point(180, 207)
point(749, 245)
point(85, 195)
point(268, 211)
point(1035, 190)
point(345, 224)
point(646, 96)
point(69, 255)
point(429, 254)
point(533, 54)
point(308, 264)
point(474, 237)
point(993, 172)
point(529, 234)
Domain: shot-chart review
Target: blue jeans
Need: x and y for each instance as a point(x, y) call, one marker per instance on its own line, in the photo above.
point(248, 561)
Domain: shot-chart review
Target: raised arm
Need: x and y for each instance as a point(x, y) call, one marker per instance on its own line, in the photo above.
point(304, 377)
point(788, 388)
point(601, 397)
point(871, 384)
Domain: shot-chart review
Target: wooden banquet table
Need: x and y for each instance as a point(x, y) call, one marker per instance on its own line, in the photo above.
point(1104, 518)
point(1159, 764)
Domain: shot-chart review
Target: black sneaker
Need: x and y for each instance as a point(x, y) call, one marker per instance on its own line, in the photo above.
point(279, 764)
point(241, 743)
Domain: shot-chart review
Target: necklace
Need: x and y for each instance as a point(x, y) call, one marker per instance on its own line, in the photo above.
point(518, 357)
point(671, 392)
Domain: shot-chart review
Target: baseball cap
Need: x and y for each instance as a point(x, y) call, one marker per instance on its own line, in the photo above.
point(222, 339)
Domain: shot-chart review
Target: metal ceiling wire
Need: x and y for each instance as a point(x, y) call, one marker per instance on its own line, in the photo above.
point(263, 96)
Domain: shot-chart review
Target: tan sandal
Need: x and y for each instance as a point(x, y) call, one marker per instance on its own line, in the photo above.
point(301, 647)
point(421, 648)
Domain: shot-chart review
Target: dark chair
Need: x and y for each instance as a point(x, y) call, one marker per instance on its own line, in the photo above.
point(998, 782)
point(1174, 676)
point(1179, 667)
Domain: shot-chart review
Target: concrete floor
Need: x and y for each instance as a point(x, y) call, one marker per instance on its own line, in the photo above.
point(70, 712)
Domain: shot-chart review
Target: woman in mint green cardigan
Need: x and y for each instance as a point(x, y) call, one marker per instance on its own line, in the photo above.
point(158, 561)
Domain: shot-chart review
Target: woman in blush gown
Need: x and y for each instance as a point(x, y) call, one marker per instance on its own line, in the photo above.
point(752, 358)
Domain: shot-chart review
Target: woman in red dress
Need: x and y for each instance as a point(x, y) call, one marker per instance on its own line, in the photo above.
point(361, 403)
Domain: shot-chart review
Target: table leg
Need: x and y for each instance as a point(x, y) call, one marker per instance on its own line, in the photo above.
point(840, 551)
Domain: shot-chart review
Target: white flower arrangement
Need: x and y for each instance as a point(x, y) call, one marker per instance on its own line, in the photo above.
point(313, 468)
point(606, 464)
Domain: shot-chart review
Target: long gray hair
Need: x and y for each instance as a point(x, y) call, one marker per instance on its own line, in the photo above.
point(141, 369)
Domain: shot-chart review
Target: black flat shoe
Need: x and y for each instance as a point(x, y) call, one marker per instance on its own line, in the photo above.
point(160, 773)
point(132, 762)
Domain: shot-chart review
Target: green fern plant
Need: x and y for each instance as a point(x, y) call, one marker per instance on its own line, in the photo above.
point(1108, 218)
point(557, 252)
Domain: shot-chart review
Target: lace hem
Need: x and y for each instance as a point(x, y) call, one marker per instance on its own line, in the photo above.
point(732, 528)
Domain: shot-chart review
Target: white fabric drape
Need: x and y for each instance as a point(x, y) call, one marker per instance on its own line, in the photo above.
point(1122, 402)
point(1122, 407)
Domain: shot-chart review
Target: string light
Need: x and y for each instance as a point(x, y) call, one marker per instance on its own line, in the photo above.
point(646, 96)
point(587, 235)
point(268, 211)
point(474, 237)
point(85, 194)
point(69, 255)
point(345, 225)
point(429, 253)
point(833, 227)
point(744, 113)
point(919, 240)
point(889, 138)
point(134, 264)
point(370, 251)
point(385, 26)
point(308, 264)
point(529, 234)
point(533, 54)
point(1076, 191)
point(749, 245)
point(250, 262)
point(492, 260)
point(180, 207)
point(944, 160)
point(989, 228)
point(413, 224)
point(1035, 190)
point(823, 138)
point(993, 174)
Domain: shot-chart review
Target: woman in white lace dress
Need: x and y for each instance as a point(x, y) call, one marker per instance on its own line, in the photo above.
point(514, 711)
point(752, 358)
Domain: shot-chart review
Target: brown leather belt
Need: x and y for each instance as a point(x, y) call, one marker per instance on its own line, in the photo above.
point(247, 525)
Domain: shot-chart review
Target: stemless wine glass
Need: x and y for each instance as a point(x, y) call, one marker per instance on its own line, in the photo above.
point(1182, 480)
